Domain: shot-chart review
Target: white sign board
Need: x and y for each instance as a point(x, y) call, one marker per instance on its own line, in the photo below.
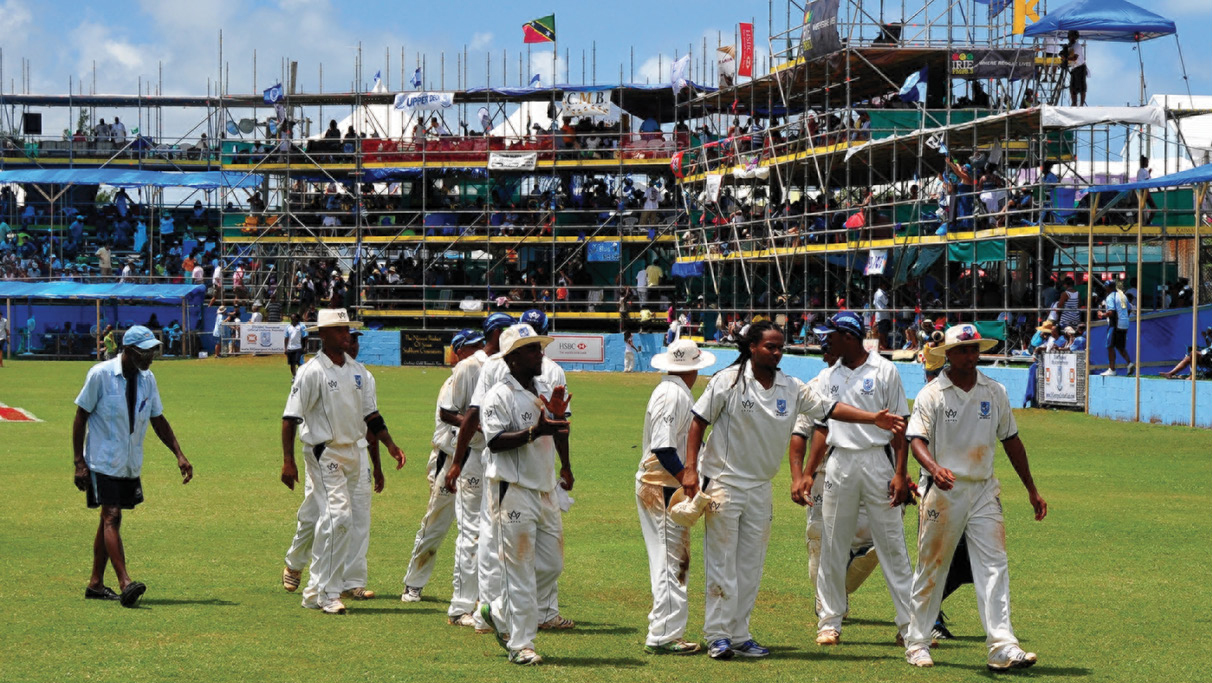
point(1060, 378)
point(512, 161)
point(263, 337)
point(424, 101)
point(877, 261)
point(586, 103)
point(577, 348)
point(714, 182)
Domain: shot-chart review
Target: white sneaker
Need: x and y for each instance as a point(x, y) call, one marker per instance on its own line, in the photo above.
point(525, 657)
point(919, 657)
point(461, 620)
point(333, 607)
point(1107, 373)
point(411, 594)
point(828, 636)
point(1131, 369)
point(1010, 657)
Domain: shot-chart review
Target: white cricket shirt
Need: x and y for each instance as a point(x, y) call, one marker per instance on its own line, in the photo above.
point(666, 425)
point(751, 425)
point(332, 401)
point(963, 428)
point(495, 370)
point(509, 407)
point(805, 426)
point(873, 386)
point(463, 382)
point(444, 435)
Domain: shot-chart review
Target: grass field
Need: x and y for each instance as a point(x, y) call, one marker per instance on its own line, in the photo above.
point(1113, 586)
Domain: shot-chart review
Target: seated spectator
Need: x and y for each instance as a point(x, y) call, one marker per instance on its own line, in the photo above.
point(1202, 357)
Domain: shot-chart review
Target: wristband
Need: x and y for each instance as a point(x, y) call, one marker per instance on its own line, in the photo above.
point(376, 424)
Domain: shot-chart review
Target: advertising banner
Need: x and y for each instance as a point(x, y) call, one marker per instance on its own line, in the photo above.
point(424, 101)
point(422, 348)
point(512, 161)
point(577, 348)
point(586, 103)
point(746, 66)
point(1060, 373)
point(604, 252)
point(979, 64)
point(263, 337)
point(819, 35)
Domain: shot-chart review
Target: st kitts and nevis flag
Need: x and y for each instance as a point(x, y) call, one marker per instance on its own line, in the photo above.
point(541, 30)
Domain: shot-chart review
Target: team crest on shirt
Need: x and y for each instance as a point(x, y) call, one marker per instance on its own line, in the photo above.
point(333, 467)
point(932, 515)
point(358, 382)
point(781, 407)
point(986, 408)
point(489, 412)
point(526, 417)
point(833, 390)
point(668, 418)
point(332, 385)
point(514, 516)
point(951, 415)
point(868, 386)
point(747, 405)
point(472, 481)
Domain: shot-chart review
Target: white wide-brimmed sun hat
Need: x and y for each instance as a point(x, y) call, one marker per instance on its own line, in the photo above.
point(516, 336)
point(961, 335)
point(333, 317)
point(683, 355)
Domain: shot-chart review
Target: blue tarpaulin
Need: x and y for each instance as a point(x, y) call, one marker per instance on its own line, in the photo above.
point(64, 290)
point(1113, 20)
point(118, 177)
point(688, 269)
point(1191, 176)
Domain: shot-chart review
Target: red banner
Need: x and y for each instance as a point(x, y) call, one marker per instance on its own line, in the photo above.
point(746, 66)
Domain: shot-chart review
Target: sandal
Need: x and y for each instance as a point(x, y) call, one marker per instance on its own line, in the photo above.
point(102, 593)
point(131, 594)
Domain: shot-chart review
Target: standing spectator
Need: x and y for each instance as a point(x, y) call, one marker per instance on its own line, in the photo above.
point(196, 274)
point(296, 332)
point(108, 348)
point(3, 338)
point(630, 352)
point(118, 132)
point(652, 204)
point(654, 274)
point(216, 283)
point(641, 285)
point(101, 132)
point(217, 332)
point(119, 399)
point(1067, 304)
point(1119, 311)
point(256, 316)
point(1077, 70)
point(104, 260)
point(883, 317)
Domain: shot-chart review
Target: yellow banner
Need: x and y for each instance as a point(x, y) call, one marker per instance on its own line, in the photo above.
point(1024, 10)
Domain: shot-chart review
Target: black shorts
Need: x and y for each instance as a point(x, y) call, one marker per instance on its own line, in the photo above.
point(1077, 79)
point(113, 491)
point(294, 357)
point(1119, 339)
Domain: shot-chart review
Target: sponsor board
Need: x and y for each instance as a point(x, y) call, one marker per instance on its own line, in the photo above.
point(577, 348)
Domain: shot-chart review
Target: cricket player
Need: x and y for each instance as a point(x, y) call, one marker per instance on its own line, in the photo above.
point(867, 466)
point(335, 402)
point(520, 426)
point(309, 512)
point(752, 406)
point(441, 509)
point(119, 398)
point(957, 422)
point(666, 425)
point(863, 559)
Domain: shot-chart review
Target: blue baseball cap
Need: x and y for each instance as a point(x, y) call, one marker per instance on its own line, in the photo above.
point(842, 321)
point(140, 337)
point(497, 321)
point(464, 337)
point(536, 319)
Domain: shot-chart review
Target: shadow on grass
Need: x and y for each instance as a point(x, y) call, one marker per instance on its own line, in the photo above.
point(870, 622)
point(360, 610)
point(213, 602)
point(598, 662)
point(823, 654)
point(1060, 671)
point(594, 628)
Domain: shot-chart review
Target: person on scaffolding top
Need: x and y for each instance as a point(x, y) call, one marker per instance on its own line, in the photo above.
point(1077, 70)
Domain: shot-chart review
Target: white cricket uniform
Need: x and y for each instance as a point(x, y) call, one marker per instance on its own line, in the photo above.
point(751, 429)
point(440, 510)
point(469, 497)
point(666, 425)
point(332, 403)
point(859, 470)
point(492, 372)
point(962, 430)
point(523, 508)
point(299, 553)
point(805, 427)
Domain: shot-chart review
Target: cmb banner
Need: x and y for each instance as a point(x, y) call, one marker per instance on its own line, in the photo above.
point(1061, 380)
point(577, 348)
point(263, 337)
point(586, 103)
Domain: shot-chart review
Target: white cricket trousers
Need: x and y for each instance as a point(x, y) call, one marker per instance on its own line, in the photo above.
point(974, 507)
point(299, 553)
point(668, 545)
point(439, 514)
point(734, 551)
point(855, 574)
point(468, 501)
point(628, 360)
point(334, 475)
point(488, 565)
point(854, 478)
point(530, 550)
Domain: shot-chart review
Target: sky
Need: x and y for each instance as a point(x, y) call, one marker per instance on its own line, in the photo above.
point(178, 41)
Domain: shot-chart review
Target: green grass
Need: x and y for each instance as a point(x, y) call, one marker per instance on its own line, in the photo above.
point(1113, 586)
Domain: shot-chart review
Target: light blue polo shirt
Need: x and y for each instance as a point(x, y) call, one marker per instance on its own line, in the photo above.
point(110, 446)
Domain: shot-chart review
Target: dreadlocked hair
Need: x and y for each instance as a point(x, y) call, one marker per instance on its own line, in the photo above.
point(751, 337)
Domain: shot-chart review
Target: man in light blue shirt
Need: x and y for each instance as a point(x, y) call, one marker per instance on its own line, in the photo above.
point(119, 399)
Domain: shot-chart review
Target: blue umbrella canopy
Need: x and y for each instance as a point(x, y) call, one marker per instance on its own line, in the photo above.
point(1110, 20)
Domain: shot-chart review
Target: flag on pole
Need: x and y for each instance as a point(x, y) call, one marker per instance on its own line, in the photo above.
point(416, 78)
point(541, 30)
point(914, 89)
point(745, 64)
point(677, 73)
point(273, 93)
point(536, 81)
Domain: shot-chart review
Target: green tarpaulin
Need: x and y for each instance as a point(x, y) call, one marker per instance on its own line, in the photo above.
point(994, 250)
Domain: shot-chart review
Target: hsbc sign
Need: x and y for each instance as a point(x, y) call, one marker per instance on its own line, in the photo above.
point(577, 348)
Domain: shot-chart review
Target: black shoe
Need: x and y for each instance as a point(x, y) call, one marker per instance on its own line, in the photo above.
point(102, 593)
point(940, 632)
point(131, 594)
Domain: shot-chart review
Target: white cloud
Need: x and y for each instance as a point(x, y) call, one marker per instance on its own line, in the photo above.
point(479, 41)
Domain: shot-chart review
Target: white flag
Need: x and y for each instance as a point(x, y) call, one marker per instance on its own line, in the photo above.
point(677, 73)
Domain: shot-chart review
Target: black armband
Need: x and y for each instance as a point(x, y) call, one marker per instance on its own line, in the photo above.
point(668, 457)
point(376, 424)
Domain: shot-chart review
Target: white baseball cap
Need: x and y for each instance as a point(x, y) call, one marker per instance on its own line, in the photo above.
point(683, 355)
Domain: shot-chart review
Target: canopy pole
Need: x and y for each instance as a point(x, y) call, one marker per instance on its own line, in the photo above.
point(1090, 291)
point(1201, 191)
point(99, 358)
point(183, 326)
point(8, 304)
point(1140, 232)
